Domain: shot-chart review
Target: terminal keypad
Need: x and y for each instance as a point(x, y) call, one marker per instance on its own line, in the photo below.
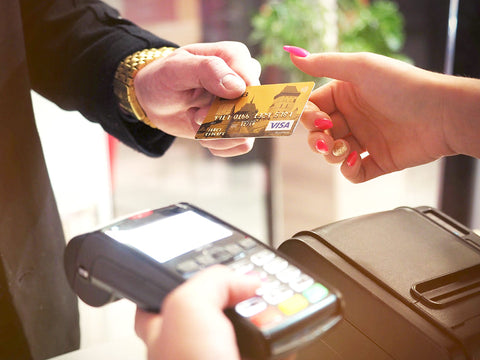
point(285, 290)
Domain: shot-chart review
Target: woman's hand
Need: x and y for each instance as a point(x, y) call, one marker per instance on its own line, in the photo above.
point(394, 114)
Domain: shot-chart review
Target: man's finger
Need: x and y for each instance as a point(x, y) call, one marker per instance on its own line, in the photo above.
point(184, 71)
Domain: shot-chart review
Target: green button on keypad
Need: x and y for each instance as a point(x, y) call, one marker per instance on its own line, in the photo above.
point(315, 293)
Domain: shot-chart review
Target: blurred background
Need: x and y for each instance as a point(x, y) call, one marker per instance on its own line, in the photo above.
point(281, 187)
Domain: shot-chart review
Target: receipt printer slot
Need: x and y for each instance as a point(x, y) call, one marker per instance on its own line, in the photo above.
point(444, 290)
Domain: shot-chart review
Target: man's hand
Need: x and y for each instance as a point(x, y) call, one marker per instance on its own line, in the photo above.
point(192, 325)
point(176, 91)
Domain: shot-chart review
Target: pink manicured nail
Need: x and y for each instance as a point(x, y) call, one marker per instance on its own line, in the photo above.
point(321, 146)
point(352, 158)
point(295, 50)
point(323, 123)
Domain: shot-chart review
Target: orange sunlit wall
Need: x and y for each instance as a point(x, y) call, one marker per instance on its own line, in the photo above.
point(149, 11)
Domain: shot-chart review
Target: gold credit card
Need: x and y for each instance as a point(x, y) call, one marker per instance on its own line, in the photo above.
point(262, 111)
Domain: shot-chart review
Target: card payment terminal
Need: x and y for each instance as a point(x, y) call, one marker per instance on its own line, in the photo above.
point(145, 256)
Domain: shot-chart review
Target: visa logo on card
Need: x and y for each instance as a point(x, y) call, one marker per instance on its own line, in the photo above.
point(262, 111)
point(280, 125)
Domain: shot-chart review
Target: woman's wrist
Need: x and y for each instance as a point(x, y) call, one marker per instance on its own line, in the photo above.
point(460, 104)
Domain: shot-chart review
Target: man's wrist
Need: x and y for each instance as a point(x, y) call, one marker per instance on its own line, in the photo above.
point(123, 81)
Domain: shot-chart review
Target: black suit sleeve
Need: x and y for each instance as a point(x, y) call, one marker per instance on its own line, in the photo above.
point(73, 49)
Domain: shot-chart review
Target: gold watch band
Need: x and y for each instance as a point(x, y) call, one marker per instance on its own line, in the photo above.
point(123, 81)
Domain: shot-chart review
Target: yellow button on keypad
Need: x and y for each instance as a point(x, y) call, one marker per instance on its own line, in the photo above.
point(293, 305)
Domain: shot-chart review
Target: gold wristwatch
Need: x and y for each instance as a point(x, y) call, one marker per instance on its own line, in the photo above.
point(123, 81)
